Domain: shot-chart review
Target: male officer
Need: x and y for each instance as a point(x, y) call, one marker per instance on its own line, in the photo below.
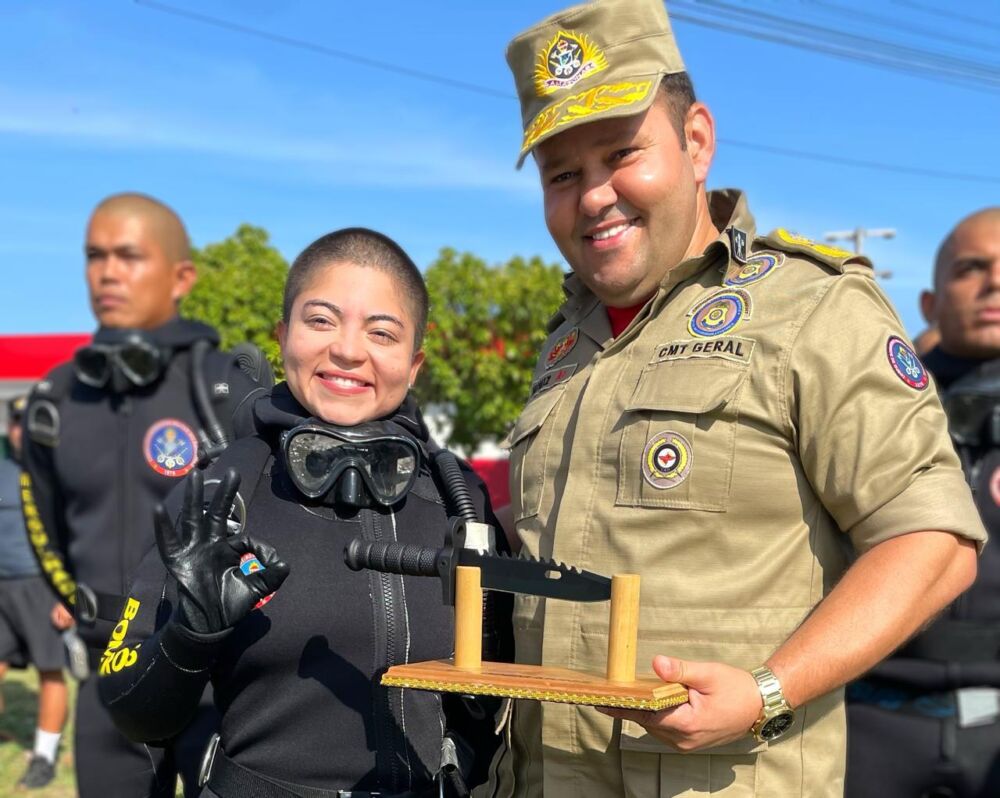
point(26, 633)
point(108, 436)
point(926, 722)
point(713, 410)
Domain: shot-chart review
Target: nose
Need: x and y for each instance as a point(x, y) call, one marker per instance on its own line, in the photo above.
point(346, 347)
point(993, 274)
point(597, 194)
point(109, 270)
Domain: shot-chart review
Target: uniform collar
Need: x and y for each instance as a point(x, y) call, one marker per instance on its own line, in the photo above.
point(729, 211)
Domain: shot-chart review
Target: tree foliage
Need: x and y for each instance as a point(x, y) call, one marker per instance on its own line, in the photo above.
point(487, 326)
point(239, 291)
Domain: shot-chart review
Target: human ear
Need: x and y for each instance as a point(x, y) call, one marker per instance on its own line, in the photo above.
point(699, 134)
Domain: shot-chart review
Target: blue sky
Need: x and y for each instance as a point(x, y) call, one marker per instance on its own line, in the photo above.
point(227, 127)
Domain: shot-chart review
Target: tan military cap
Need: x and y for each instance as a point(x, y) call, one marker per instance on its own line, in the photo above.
point(594, 61)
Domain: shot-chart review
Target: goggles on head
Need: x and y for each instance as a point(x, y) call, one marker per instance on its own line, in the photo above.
point(356, 466)
point(135, 360)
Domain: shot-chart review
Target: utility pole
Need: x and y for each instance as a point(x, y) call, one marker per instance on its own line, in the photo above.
point(857, 237)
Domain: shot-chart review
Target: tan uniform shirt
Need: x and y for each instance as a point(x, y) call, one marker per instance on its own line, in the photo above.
point(721, 446)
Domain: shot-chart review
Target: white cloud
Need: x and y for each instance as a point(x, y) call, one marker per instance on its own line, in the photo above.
point(348, 155)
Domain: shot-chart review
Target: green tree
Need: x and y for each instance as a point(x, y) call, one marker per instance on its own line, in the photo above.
point(240, 285)
point(487, 326)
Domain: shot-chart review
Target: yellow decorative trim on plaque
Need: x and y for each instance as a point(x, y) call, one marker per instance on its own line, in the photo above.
point(565, 60)
point(558, 696)
point(597, 100)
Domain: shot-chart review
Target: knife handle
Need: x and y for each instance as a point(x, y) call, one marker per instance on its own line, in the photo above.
point(391, 558)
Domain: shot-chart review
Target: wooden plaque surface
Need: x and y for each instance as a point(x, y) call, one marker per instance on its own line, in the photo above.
point(539, 682)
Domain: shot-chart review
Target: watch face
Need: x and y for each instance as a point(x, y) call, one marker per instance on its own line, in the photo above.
point(777, 726)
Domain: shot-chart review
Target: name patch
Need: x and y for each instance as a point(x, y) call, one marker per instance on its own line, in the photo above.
point(552, 377)
point(727, 347)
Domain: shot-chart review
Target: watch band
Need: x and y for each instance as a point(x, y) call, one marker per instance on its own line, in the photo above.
point(770, 688)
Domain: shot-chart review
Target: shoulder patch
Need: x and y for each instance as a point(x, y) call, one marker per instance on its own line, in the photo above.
point(43, 422)
point(834, 257)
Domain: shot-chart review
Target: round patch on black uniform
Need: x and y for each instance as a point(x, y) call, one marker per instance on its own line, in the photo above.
point(906, 364)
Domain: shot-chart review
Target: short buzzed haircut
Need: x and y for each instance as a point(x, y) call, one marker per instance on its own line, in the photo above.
point(944, 253)
point(164, 222)
point(677, 91)
point(362, 247)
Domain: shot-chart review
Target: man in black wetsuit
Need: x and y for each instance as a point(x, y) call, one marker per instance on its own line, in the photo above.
point(926, 722)
point(108, 435)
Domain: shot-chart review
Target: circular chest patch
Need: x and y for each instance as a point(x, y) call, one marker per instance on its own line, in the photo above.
point(755, 269)
point(666, 460)
point(170, 447)
point(906, 364)
point(719, 314)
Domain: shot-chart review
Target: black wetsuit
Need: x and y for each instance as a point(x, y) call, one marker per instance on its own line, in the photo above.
point(96, 462)
point(906, 736)
point(297, 681)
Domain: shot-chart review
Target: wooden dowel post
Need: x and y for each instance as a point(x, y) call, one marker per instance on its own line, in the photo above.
point(623, 633)
point(468, 619)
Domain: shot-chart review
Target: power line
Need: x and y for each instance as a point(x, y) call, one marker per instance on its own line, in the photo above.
point(882, 167)
point(818, 38)
point(948, 14)
point(895, 23)
point(321, 49)
point(429, 77)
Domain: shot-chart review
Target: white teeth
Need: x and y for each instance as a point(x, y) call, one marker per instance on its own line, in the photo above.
point(346, 381)
point(611, 231)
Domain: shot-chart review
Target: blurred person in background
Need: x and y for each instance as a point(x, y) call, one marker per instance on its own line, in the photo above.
point(108, 435)
point(27, 634)
point(926, 722)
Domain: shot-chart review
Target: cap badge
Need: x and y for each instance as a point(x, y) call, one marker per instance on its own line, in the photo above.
point(566, 60)
point(562, 347)
point(906, 364)
point(720, 313)
point(666, 460)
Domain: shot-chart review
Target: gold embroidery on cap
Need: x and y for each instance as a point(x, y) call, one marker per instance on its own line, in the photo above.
point(597, 100)
point(566, 60)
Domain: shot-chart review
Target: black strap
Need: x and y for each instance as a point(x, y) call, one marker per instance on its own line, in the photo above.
point(93, 606)
point(230, 780)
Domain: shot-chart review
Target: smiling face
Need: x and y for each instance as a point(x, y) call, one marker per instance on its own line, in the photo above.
point(625, 202)
point(348, 345)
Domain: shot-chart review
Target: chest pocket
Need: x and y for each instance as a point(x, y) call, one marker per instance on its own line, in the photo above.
point(679, 435)
point(528, 443)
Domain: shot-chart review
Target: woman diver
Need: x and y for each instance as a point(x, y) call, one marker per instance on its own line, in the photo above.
point(249, 588)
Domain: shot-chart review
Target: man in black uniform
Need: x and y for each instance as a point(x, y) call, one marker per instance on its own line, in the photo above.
point(926, 722)
point(108, 436)
point(27, 635)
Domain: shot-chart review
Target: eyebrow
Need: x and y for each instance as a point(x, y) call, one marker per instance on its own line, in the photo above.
point(608, 140)
point(337, 311)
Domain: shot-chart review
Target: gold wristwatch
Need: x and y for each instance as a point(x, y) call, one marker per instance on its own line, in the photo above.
point(776, 716)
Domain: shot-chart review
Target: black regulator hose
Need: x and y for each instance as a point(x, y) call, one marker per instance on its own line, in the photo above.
point(456, 488)
point(216, 434)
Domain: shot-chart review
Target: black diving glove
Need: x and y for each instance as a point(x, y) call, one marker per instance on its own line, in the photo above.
point(215, 593)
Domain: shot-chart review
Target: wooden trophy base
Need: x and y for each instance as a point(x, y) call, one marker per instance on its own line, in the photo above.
point(538, 682)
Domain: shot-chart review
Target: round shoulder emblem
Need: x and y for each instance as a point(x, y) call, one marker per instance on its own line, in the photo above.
point(755, 269)
point(666, 460)
point(906, 364)
point(720, 313)
point(170, 447)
